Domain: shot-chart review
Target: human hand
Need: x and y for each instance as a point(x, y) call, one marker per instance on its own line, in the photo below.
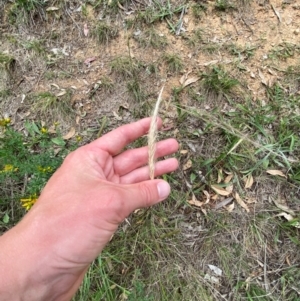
point(80, 208)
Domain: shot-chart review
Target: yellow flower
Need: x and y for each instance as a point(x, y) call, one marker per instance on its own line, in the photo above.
point(5, 121)
point(8, 168)
point(28, 203)
point(44, 130)
point(78, 138)
point(45, 169)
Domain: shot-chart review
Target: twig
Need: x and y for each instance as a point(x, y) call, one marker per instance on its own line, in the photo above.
point(152, 136)
point(276, 13)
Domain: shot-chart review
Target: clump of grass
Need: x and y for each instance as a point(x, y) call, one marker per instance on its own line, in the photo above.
point(135, 89)
point(284, 50)
point(26, 11)
point(198, 9)
point(104, 33)
point(6, 61)
point(125, 66)
point(105, 84)
point(35, 45)
point(5, 93)
point(150, 37)
point(173, 62)
point(247, 51)
point(218, 81)
point(223, 5)
point(196, 38)
point(49, 105)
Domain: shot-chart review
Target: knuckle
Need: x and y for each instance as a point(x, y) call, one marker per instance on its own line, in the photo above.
point(148, 194)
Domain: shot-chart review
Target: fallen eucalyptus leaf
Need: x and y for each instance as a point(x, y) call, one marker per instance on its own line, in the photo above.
point(219, 190)
point(241, 202)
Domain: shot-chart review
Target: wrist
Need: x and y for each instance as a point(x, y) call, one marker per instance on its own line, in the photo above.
point(28, 270)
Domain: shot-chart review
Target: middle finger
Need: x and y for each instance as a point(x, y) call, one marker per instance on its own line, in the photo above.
point(132, 159)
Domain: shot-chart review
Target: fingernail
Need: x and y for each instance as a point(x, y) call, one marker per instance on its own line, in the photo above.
point(163, 189)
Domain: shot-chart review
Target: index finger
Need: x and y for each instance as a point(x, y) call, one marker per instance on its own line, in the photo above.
point(114, 141)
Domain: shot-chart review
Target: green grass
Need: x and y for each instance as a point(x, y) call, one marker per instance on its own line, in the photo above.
point(104, 33)
point(218, 81)
point(173, 62)
point(27, 161)
point(125, 66)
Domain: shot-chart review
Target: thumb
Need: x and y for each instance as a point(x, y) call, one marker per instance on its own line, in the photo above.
point(145, 194)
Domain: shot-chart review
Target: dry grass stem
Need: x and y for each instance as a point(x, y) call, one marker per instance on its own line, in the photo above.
point(152, 136)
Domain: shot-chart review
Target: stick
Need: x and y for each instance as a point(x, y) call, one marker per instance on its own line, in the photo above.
point(152, 137)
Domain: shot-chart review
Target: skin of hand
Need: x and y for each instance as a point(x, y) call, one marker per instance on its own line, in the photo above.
point(45, 256)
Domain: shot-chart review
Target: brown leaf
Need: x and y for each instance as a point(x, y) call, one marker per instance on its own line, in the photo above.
point(249, 182)
point(85, 30)
point(187, 165)
point(228, 178)
point(241, 202)
point(207, 196)
point(287, 216)
point(230, 207)
point(229, 188)
point(190, 81)
point(276, 172)
point(220, 190)
point(195, 202)
point(61, 93)
point(90, 60)
point(284, 208)
point(52, 8)
point(262, 77)
point(70, 134)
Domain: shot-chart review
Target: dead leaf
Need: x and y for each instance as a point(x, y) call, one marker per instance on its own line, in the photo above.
point(223, 203)
point(90, 60)
point(211, 63)
point(77, 119)
point(276, 172)
point(220, 190)
point(52, 8)
point(249, 182)
point(241, 202)
point(117, 116)
point(215, 269)
point(184, 152)
point(195, 202)
point(61, 93)
point(230, 207)
point(212, 279)
point(190, 81)
point(70, 134)
point(52, 129)
point(85, 30)
point(284, 208)
point(262, 77)
point(287, 216)
point(250, 200)
point(229, 188)
point(228, 178)
point(187, 165)
point(207, 196)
